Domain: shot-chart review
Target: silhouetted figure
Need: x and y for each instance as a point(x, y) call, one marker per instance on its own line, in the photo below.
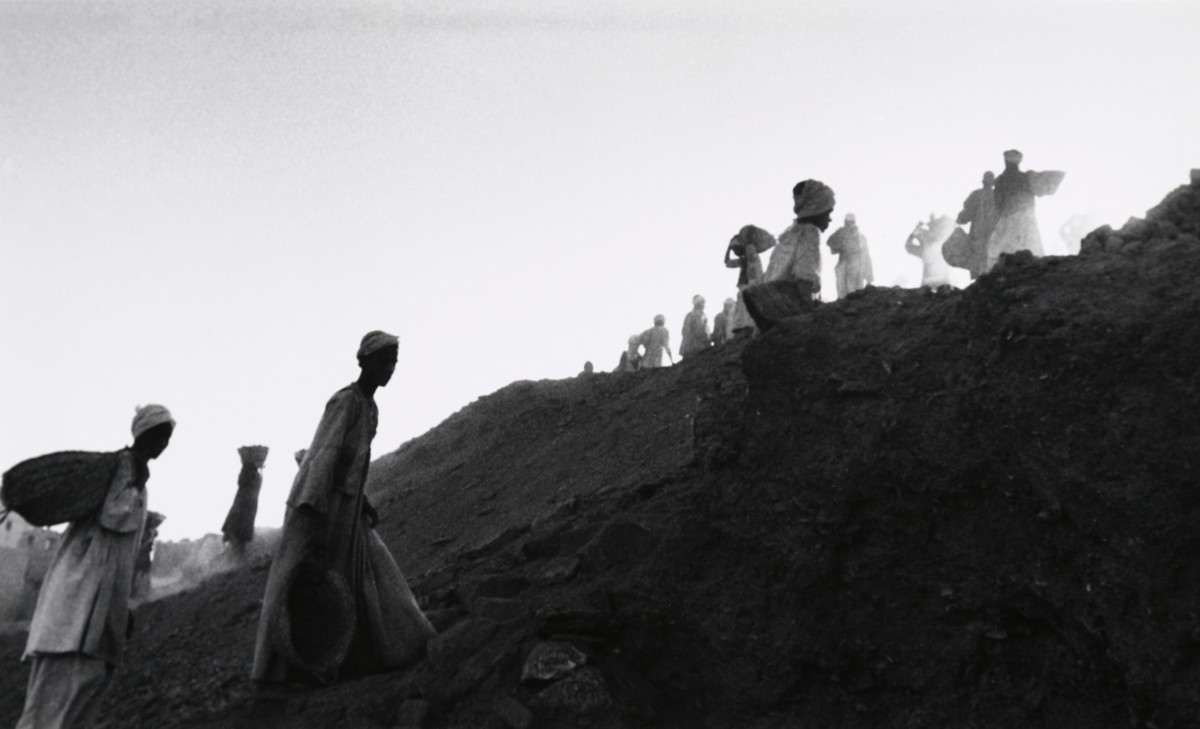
point(655, 341)
point(925, 242)
point(978, 210)
point(330, 525)
point(721, 322)
point(631, 358)
point(82, 620)
point(588, 369)
point(798, 254)
point(1017, 228)
point(695, 337)
point(238, 529)
point(853, 268)
point(143, 563)
point(747, 247)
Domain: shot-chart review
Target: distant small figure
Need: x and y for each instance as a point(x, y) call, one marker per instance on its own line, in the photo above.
point(798, 255)
point(631, 358)
point(747, 246)
point(853, 268)
point(1017, 228)
point(299, 455)
point(655, 340)
point(978, 210)
point(695, 337)
point(1077, 226)
point(141, 565)
point(721, 322)
point(238, 529)
point(588, 369)
point(925, 242)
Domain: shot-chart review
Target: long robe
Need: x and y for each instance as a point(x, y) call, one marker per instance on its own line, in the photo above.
point(979, 209)
point(853, 269)
point(83, 606)
point(797, 256)
point(695, 333)
point(327, 505)
point(1017, 227)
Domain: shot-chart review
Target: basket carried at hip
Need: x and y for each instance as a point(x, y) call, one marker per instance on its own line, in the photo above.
point(58, 487)
point(315, 621)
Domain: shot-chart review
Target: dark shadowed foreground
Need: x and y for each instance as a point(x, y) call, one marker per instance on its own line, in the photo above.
point(907, 509)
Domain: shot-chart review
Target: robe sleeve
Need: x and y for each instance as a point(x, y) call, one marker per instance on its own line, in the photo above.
point(122, 510)
point(328, 457)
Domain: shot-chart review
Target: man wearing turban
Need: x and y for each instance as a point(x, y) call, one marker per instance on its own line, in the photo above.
point(853, 267)
point(1017, 227)
point(798, 254)
point(81, 623)
point(330, 522)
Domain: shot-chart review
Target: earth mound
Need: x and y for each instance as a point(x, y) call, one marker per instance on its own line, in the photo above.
point(910, 508)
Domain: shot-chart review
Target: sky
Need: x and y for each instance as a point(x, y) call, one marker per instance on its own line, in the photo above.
point(207, 204)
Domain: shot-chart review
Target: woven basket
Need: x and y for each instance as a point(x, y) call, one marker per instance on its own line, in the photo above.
point(763, 241)
point(58, 487)
point(314, 623)
point(254, 456)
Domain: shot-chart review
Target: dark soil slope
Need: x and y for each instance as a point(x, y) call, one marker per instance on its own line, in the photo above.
point(970, 508)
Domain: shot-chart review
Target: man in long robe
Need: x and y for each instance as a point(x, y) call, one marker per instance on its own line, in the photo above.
point(330, 522)
point(853, 268)
point(695, 337)
point(82, 620)
point(979, 210)
point(1017, 227)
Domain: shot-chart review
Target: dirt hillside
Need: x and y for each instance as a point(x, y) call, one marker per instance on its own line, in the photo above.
point(972, 508)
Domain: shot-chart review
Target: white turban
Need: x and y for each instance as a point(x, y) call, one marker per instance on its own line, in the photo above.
point(149, 416)
point(1013, 155)
point(374, 341)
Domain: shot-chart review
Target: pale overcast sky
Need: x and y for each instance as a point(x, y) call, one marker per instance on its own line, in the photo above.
point(206, 204)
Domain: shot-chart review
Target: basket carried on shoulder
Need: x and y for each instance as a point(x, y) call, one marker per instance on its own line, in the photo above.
point(58, 487)
point(771, 302)
point(315, 621)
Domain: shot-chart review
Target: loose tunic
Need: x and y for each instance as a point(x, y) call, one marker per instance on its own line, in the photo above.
point(327, 506)
point(979, 209)
point(239, 522)
point(695, 333)
point(797, 256)
point(1017, 228)
point(83, 606)
point(655, 340)
point(853, 269)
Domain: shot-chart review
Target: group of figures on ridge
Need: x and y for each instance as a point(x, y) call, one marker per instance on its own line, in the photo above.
point(1000, 217)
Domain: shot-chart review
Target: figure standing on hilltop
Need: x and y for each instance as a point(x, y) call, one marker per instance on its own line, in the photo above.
point(1017, 227)
point(330, 524)
point(798, 255)
point(978, 210)
point(853, 268)
point(655, 340)
point(721, 321)
point(747, 246)
point(695, 337)
point(631, 358)
point(925, 242)
point(82, 619)
point(144, 561)
point(238, 529)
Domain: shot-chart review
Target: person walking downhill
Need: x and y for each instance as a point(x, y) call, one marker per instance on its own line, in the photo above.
point(330, 521)
point(82, 620)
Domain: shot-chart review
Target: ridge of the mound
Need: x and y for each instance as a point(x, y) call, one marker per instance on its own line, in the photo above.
point(907, 508)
